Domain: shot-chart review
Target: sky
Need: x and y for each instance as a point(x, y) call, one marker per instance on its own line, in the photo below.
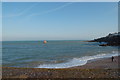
point(60, 0)
point(0, 23)
point(58, 20)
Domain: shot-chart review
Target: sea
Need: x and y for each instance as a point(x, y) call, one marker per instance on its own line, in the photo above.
point(53, 54)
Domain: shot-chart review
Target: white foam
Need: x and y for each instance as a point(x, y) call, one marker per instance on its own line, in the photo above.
point(77, 61)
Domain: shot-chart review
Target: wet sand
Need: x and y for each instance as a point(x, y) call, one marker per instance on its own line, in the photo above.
point(103, 63)
point(102, 68)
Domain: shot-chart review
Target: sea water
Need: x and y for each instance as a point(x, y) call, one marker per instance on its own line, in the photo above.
point(53, 54)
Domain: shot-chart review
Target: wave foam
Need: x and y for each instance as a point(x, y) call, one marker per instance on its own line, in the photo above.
point(77, 61)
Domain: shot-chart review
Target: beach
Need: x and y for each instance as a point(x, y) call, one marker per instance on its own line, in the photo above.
point(100, 68)
point(102, 63)
point(63, 39)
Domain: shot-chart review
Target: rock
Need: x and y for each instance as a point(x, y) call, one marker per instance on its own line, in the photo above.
point(103, 45)
point(110, 40)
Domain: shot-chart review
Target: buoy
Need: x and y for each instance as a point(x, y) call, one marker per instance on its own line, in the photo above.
point(44, 41)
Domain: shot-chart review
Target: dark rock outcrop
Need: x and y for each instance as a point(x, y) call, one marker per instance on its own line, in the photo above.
point(110, 40)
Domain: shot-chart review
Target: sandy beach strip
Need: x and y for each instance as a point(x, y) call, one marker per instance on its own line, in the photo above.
point(102, 68)
point(102, 63)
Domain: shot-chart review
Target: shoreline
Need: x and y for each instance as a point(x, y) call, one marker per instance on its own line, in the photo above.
point(105, 69)
point(85, 61)
point(101, 63)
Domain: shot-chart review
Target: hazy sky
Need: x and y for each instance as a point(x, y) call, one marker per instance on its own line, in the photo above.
point(58, 21)
point(60, 0)
point(0, 23)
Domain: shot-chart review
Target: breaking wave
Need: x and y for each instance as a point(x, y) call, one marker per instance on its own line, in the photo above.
point(78, 61)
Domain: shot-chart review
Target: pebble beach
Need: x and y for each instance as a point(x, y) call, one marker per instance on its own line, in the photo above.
point(101, 68)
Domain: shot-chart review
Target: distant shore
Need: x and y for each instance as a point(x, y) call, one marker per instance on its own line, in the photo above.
point(102, 68)
point(110, 40)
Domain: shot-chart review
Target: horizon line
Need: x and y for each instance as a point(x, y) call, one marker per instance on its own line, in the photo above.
point(47, 40)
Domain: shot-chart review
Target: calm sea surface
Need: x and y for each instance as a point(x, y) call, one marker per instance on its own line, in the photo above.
point(54, 54)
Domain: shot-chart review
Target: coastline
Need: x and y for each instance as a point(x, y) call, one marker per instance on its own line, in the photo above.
point(100, 68)
point(101, 63)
